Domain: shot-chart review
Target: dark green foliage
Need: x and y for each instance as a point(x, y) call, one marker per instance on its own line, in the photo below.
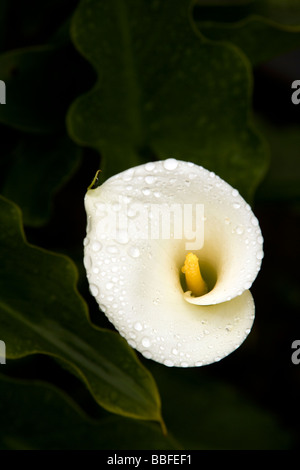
point(113, 84)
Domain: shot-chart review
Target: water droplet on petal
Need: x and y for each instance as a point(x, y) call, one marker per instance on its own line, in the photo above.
point(170, 164)
point(112, 249)
point(134, 252)
point(138, 326)
point(146, 342)
point(147, 354)
point(149, 166)
point(146, 191)
point(96, 246)
point(150, 179)
point(168, 363)
point(87, 261)
point(94, 290)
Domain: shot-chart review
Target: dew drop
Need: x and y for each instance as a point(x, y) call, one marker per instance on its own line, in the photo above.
point(94, 290)
point(112, 249)
point(147, 354)
point(127, 176)
point(236, 206)
point(131, 212)
point(96, 246)
point(174, 351)
point(168, 363)
point(170, 164)
point(109, 285)
point(234, 192)
point(89, 225)
point(184, 364)
point(134, 252)
point(239, 230)
point(87, 261)
point(146, 342)
point(138, 326)
point(126, 199)
point(150, 179)
point(146, 191)
point(149, 166)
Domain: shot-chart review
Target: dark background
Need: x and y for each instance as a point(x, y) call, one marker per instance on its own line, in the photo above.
point(259, 378)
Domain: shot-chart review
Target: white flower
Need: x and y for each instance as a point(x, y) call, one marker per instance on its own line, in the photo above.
point(141, 225)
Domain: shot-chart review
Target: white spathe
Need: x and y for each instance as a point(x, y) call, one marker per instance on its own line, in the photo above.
point(136, 276)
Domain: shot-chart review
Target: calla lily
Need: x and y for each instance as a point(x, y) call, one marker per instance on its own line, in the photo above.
point(157, 232)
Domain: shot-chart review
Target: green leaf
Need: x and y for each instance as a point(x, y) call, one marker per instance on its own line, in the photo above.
point(34, 416)
point(163, 90)
point(38, 88)
point(38, 167)
point(282, 182)
point(42, 312)
point(284, 13)
point(287, 12)
point(206, 413)
point(33, 22)
point(271, 39)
